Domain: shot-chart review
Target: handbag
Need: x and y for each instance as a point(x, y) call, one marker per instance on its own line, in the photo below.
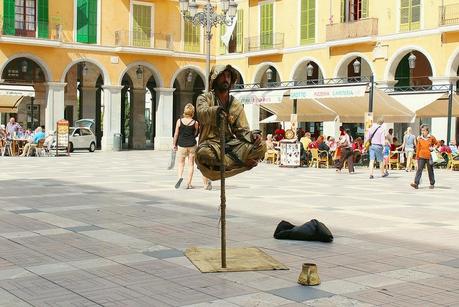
point(367, 144)
point(435, 157)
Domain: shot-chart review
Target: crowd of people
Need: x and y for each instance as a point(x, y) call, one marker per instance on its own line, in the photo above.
point(13, 131)
point(378, 146)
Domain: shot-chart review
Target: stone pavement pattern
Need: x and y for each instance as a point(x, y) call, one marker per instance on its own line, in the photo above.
point(108, 229)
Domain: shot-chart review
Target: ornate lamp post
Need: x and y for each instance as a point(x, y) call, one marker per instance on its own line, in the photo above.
point(208, 18)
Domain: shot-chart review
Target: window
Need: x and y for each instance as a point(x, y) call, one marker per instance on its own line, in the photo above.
point(87, 21)
point(356, 9)
point(223, 48)
point(308, 21)
point(35, 115)
point(236, 41)
point(266, 25)
point(410, 15)
point(192, 39)
point(20, 18)
point(141, 25)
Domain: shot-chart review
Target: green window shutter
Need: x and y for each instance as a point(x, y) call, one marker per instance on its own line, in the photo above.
point(192, 37)
point(308, 21)
point(415, 15)
point(87, 21)
point(402, 74)
point(343, 11)
point(240, 31)
point(92, 21)
point(266, 26)
point(405, 15)
point(141, 25)
point(222, 45)
point(365, 8)
point(8, 17)
point(43, 29)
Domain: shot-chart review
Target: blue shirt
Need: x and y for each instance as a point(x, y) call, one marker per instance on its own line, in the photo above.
point(38, 136)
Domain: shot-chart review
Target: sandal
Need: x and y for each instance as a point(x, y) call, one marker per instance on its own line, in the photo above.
point(189, 187)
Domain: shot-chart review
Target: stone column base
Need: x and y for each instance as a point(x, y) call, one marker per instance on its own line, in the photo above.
point(163, 143)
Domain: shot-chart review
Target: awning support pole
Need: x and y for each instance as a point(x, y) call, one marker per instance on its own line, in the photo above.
point(450, 113)
point(31, 112)
point(295, 106)
point(372, 85)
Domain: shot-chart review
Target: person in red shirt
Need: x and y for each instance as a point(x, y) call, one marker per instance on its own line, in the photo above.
point(279, 134)
point(442, 148)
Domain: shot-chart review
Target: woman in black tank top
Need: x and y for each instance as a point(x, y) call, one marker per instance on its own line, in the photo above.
point(186, 131)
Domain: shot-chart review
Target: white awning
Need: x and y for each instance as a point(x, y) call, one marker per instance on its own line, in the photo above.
point(307, 110)
point(260, 97)
point(330, 91)
point(428, 104)
point(12, 95)
point(271, 119)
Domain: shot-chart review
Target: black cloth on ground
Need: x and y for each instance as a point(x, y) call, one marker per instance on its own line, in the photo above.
point(310, 231)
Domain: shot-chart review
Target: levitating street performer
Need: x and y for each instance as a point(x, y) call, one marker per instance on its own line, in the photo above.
point(244, 148)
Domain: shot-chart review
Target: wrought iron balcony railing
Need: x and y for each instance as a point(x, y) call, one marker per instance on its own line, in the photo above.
point(51, 30)
point(449, 14)
point(144, 39)
point(264, 42)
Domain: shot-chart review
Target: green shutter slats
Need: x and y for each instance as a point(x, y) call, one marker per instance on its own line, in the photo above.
point(43, 27)
point(308, 21)
point(240, 31)
point(343, 11)
point(410, 15)
point(87, 21)
point(8, 17)
point(192, 39)
point(142, 25)
point(266, 26)
point(365, 8)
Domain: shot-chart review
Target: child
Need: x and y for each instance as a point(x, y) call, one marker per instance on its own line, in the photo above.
point(386, 154)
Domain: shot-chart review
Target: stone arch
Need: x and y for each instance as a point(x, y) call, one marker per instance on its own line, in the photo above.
point(261, 69)
point(99, 65)
point(44, 67)
point(149, 66)
point(197, 69)
point(305, 60)
point(453, 64)
point(348, 58)
point(392, 64)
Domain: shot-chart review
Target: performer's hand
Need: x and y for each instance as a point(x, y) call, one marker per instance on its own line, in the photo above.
point(256, 139)
point(251, 163)
point(221, 112)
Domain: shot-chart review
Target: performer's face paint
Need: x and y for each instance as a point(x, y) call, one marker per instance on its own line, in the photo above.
point(223, 81)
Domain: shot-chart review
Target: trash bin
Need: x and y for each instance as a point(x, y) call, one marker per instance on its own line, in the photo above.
point(117, 142)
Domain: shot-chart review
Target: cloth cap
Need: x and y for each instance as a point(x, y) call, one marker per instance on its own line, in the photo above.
point(218, 70)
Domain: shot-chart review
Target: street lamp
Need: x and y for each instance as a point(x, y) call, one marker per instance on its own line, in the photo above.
point(310, 69)
point(139, 72)
point(269, 74)
point(356, 66)
point(208, 18)
point(412, 65)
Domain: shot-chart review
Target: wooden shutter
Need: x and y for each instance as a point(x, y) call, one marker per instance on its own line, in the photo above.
point(402, 74)
point(415, 22)
point(365, 9)
point(266, 26)
point(222, 45)
point(8, 17)
point(308, 24)
point(43, 28)
point(240, 31)
point(92, 21)
point(87, 21)
point(192, 39)
point(141, 25)
point(343, 11)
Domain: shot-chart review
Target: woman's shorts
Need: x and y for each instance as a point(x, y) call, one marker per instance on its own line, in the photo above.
point(184, 152)
point(409, 153)
point(376, 153)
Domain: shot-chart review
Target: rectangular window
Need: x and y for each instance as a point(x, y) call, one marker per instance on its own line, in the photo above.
point(240, 31)
point(266, 26)
point(141, 25)
point(25, 14)
point(192, 37)
point(223, 48)
point(356, 9)
point(308, 21)
point(87, 21)
point(410, 15)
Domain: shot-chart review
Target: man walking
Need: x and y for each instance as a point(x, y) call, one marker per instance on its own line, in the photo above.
point(377, 136)
point(12, 127)
point(244, 148)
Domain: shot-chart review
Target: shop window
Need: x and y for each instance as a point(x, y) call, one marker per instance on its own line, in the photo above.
point(308, 21)
point(87, 21)
point(353, 10)
point(25, 18)
point(192, 37)
point(410, 15)
point(266, 26)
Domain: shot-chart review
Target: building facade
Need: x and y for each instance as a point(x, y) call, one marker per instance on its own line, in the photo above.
point(132, 65)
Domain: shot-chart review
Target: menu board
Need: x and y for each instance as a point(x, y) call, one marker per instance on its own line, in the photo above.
point(62, 135)
point(290, 153)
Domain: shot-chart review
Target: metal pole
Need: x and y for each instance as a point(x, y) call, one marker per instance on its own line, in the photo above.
point(31, 112)
point(209, 37)
point(450, 113)
point(372, 85)
point(295, 106)
point(222, 191)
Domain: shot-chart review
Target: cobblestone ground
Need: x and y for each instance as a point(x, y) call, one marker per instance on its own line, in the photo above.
point(109, 229)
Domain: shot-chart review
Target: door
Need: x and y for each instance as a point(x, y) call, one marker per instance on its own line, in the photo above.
point(85, 138)
point(76, 138)
point(25, 16)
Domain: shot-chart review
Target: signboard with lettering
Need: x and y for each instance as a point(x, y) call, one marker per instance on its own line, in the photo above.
point(328, 92)
point(368, 121)
point(62, 136)
point(259, 97)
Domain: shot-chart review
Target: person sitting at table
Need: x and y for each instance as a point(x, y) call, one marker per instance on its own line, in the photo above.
point(279, 133)
point(393, 145)
point(39, 135)
point(357, 149)
point(306, 140)
point(12, 127)
point(2, 132)
point(454, 150)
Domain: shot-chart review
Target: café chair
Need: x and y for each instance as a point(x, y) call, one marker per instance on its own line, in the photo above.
point(40, 149)
point(6, 148)
point(394, 159)
point(271, 156)
point(318, 157)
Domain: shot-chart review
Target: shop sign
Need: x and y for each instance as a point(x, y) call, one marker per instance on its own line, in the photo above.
point(259, 97)
point(328, 92)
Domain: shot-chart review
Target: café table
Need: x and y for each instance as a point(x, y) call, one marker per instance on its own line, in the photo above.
point(16, 145)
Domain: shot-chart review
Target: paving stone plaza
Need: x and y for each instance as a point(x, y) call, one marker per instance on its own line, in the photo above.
point(109, 229)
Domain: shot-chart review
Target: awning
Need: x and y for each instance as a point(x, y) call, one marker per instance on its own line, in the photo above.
point(428, 104)
point(260, 97)
point(12, 95)
point(271, 119)
point(330, 91)
point(307, 110)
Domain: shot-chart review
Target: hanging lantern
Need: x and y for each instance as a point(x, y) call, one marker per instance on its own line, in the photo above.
point(189, 77)
point(269, 74)
point(85, 69)
point(310, 69)
point(356, 66)
point(139, 72)
point(412, 61)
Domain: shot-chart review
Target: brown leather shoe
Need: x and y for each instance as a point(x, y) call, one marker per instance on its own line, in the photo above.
point(414, 185)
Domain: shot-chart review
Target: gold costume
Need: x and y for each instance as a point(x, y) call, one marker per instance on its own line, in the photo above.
point(240, 142)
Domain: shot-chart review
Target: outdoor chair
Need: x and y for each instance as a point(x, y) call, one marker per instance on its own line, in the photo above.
point(271, 156)
point(6, 148)
point(40, 149)
point(318, 157)
point(453, 163)
point(394, 159)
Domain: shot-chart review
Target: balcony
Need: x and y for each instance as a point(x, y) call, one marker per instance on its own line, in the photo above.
point(353, 29)
point(51, 30)
point(142, 39)
point(264, 42)
point(449, 15)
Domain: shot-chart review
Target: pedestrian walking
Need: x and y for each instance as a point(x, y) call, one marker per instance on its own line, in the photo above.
point(377, 138)
point(186, 131)
point(425, 145)
point(345, 143)
point(408, 146)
